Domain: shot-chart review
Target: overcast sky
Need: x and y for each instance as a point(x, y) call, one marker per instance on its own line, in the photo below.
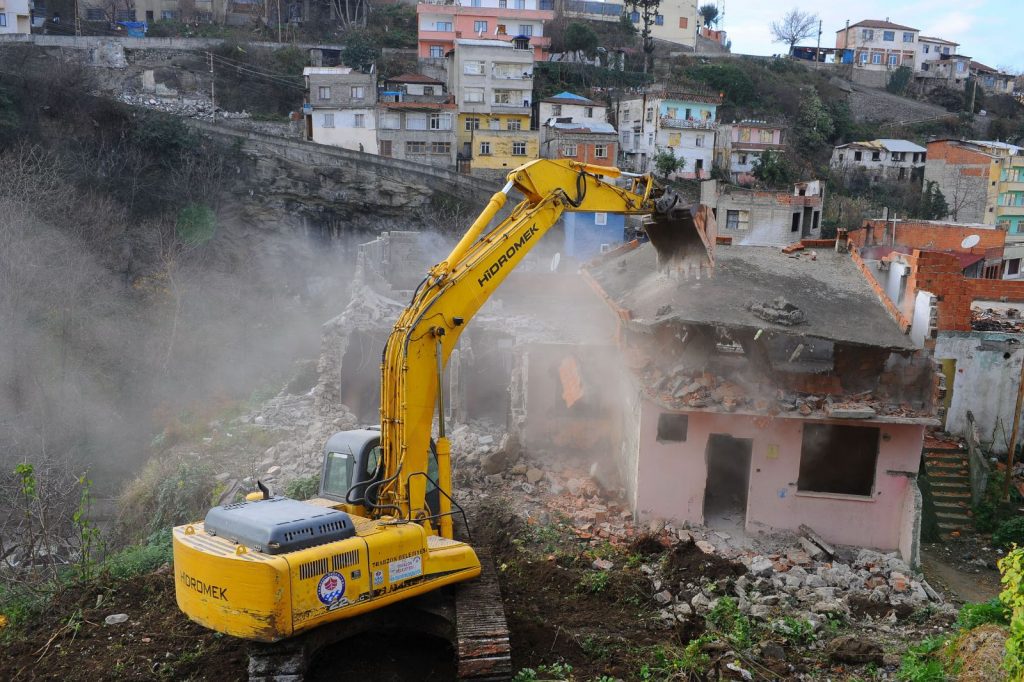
point(990, 31)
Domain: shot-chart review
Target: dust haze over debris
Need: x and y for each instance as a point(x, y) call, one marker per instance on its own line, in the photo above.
point(115, 330)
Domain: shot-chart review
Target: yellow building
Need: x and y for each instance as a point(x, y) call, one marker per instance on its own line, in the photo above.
point(498, 141)
point(492, 81)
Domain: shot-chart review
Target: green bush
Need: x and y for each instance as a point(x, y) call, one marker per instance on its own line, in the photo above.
point(1010, 532)
point(991, 511)
point(1012, 597)
point(991, 611)
point(923, 662)
point(303, 488)
point(141, 559)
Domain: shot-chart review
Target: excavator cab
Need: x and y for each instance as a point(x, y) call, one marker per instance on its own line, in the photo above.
point(352, 469)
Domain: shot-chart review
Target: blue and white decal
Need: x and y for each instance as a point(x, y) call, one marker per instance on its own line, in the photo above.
point(331, 588)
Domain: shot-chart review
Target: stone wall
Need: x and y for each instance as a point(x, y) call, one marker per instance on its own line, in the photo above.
point(391, 186)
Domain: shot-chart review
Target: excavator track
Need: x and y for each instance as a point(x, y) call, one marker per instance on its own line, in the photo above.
point(470, 615)
point(482, 639)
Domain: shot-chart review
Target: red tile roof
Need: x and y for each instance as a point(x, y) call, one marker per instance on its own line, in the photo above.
point(875, 23)
point(413, 78)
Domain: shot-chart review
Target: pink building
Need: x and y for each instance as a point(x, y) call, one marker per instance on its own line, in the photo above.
point(777, 393)
point(510, 20)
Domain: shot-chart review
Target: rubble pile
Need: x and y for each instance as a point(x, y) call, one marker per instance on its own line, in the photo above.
point(179, 106)
point(682, 388)
point(778, 310)
point(990, 320)
point(873, 586)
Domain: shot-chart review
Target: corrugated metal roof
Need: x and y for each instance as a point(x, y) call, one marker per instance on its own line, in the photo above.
point(588, 127)
point(1012, 148)
point(326, 71)
point(886, 144)
point(569, 98)
point(900, 145)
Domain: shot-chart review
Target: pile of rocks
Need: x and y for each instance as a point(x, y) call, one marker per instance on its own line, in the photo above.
point(873, 586)
point(179, 106)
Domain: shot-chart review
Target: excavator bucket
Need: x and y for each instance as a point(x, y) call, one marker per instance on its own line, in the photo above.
point(683, 236)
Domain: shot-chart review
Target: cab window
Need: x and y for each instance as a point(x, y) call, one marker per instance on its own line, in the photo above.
point(339, 474)
point(373, 460)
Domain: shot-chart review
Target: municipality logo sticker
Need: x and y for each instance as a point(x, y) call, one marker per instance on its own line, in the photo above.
point(331, 588)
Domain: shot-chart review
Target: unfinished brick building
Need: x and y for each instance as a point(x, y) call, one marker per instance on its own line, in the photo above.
point(779, 392)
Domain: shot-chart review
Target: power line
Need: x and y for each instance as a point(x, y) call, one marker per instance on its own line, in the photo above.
point(255, 68)
point(285, 81)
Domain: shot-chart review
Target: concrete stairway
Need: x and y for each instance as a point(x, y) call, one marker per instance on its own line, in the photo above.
point(946, 467)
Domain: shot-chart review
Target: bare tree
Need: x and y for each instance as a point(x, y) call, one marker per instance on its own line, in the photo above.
point(966, 197)
point(350, 13)
point(794, 27)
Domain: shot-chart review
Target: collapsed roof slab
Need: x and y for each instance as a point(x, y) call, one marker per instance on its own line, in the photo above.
point(837, 302)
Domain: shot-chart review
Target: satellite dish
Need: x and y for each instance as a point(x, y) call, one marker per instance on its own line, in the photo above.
point(970, 241)
point(555, 260)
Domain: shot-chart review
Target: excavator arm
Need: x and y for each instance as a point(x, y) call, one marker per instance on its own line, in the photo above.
point(454, 290)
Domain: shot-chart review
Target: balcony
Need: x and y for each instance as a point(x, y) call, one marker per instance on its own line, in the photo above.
point(510, 108)
point(689, 123)
point(512, 76)
point(599, 9)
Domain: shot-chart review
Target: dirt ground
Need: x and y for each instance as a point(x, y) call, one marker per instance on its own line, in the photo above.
point(964, 570)
point(560, 610)
point(72, 642)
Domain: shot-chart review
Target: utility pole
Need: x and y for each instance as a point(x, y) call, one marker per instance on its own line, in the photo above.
point(974, 91)
point(78, 21)
point(1013, 436)
point(817, 51)
point(278, 20)
point(213, 100)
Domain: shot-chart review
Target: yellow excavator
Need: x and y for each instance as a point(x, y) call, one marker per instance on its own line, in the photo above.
point(381, 530)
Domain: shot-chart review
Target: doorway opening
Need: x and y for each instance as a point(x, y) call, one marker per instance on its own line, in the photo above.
point(725, 494)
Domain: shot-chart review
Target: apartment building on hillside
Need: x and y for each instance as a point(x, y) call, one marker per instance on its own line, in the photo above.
point(992, 80)
point(738, 146)
point(521, 22)
point(492, 81)
point(899, 160)
point(680, 123)
point(879, 45)
point(416, 120)
point(340, 108)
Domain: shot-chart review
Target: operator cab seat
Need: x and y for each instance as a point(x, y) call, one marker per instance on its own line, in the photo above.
point(352, 464)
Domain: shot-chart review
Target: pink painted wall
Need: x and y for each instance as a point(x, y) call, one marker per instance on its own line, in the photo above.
point(671, 478)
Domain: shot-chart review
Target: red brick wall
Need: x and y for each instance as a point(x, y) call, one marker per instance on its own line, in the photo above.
point(951, 152)
point(940, 274)
point(585, 152)
point(932, 236)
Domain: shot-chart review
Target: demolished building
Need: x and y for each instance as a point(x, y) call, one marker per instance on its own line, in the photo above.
point(776, 393)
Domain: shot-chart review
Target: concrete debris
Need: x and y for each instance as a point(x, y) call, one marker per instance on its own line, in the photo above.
point(663, 597)
point(116, 618)
point(778, 310)
point(603, 565)
point(849, 410)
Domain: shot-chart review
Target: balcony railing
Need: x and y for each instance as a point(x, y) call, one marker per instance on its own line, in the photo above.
point(689, 123)
point(607, 9)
